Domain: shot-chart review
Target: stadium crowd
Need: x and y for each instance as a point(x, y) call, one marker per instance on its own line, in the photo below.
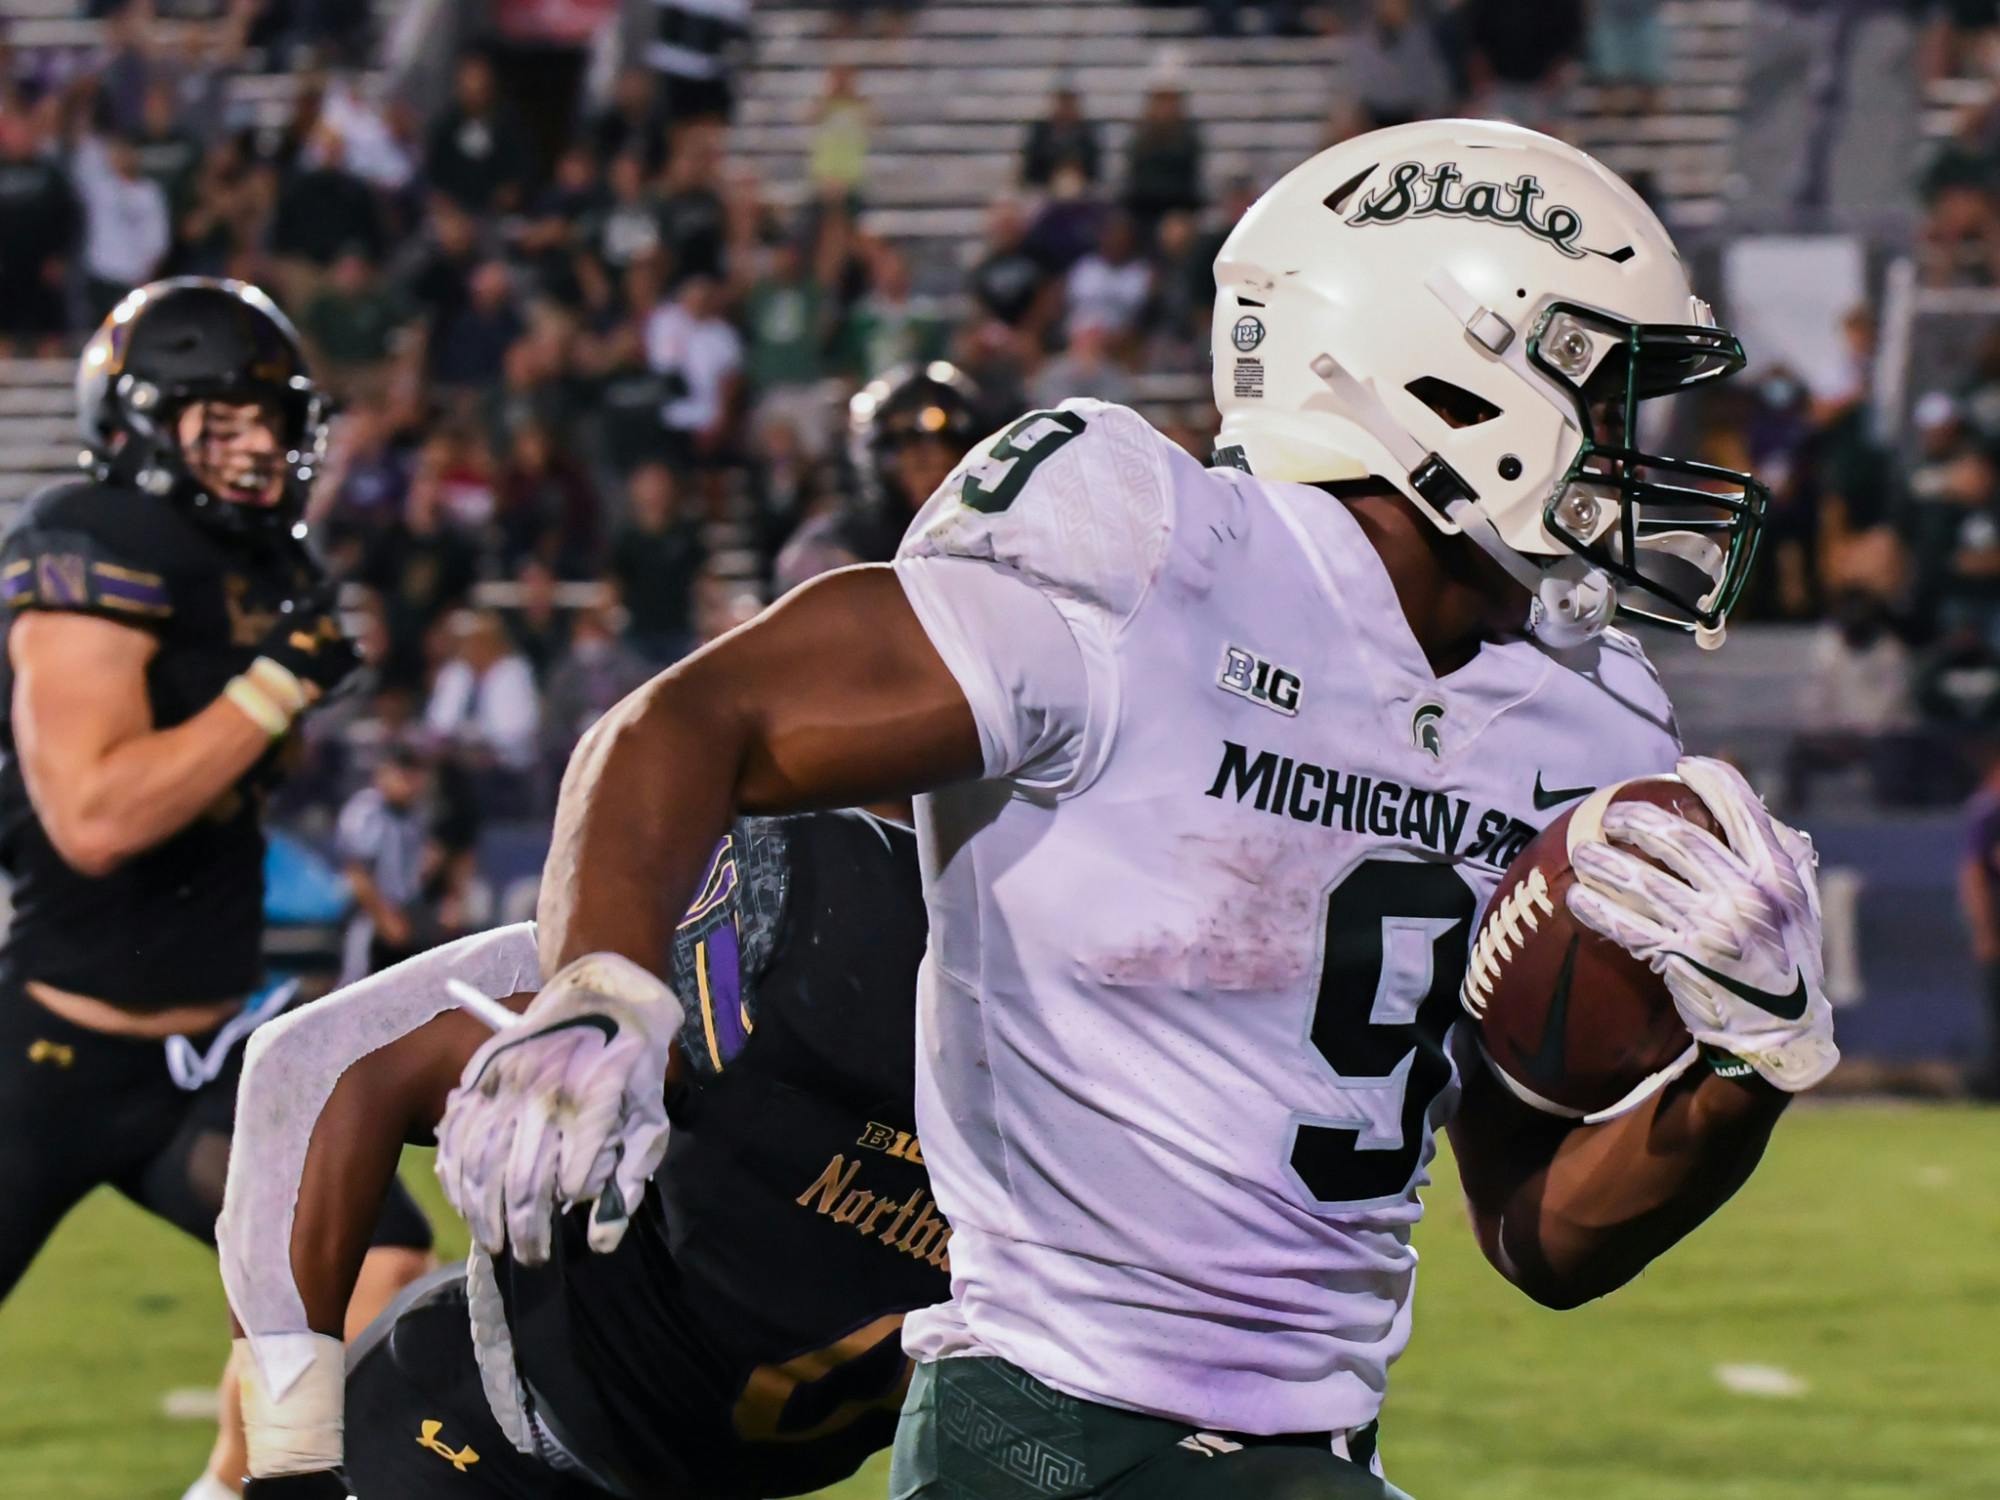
point(594, 380)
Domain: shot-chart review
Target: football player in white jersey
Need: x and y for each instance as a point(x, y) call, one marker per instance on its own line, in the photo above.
point(1220, 765)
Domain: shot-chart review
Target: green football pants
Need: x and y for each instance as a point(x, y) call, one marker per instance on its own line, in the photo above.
point(980, 1429)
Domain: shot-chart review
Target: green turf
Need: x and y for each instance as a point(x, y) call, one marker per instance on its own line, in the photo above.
point(1864, 1260)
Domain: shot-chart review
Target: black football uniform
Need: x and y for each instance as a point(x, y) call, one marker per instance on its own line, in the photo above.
point(179, 924)
point(745, 1339)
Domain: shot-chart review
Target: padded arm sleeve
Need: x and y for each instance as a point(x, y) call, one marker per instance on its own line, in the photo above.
point(290, 1069)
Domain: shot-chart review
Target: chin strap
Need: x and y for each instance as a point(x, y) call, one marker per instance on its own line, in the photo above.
point(1572, 600)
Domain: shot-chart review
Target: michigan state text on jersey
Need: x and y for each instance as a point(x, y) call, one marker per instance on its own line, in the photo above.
point(695, 1357)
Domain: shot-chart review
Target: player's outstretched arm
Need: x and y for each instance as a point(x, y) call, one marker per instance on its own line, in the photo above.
point(835, 698)
point(329, 1095)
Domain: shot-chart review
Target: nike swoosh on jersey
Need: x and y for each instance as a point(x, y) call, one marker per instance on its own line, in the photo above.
point(1546, 1066)
point(1790, 1007)
point(1555, 796)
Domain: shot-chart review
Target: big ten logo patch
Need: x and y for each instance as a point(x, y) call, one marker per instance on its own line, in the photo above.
point(886, 1138)
point(1263, 682)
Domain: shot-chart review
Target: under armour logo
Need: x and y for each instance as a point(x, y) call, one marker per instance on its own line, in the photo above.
point(59, 1054)
point(461, 1459)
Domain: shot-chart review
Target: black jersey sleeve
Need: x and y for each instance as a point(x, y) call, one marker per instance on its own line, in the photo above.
point(726, 940)
point(84, 549)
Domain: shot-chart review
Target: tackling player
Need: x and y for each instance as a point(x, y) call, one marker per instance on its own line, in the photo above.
point(166, 629)
point(692, 1358)
point(1221, 765)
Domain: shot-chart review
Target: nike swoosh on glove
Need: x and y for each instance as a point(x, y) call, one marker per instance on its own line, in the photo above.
point(566, 1106)
point(1733, 929)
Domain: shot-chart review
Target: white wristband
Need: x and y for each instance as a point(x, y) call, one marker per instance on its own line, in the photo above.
point(294, 1402)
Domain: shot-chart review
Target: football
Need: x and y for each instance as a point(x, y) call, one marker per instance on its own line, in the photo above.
point(1571, 1022)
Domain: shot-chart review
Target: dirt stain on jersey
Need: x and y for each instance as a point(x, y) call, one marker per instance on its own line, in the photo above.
point(1257, 927)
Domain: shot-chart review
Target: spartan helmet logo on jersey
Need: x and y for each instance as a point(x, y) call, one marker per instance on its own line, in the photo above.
point(1473, 312)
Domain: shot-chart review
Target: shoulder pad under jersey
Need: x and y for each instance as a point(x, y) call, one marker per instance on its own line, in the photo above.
point(88, 548)
point(1079, 500)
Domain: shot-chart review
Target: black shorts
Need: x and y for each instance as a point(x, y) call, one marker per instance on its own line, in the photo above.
point(79, 1109)
point(418, 1426)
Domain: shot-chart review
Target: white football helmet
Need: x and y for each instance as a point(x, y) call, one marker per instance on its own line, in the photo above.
point(1472, 312)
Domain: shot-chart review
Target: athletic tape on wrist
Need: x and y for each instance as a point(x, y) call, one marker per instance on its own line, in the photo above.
point(257, 705)
point(281, 682)
point(292, 1421)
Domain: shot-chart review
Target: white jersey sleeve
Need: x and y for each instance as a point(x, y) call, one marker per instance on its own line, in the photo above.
point(1025, 568)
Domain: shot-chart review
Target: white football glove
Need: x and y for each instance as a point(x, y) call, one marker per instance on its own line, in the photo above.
point(1734, 930)
point(565, 1106)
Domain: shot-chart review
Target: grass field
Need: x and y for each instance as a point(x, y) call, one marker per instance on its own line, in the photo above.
point(1863, 1265)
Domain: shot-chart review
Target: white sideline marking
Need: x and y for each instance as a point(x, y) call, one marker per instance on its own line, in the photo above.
point(191, 1403)
point(1760, 1380)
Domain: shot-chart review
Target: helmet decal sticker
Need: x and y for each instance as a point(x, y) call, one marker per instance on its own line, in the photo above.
point(1413, 193)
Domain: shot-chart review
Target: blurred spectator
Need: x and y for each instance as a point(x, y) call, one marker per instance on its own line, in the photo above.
point(786, 316)
point(547, 507)
point(891, 325)
point(39, 226)
point(409, 882)
point(1398, 71)
point(168, 153)
point(655, 557)
point(1163, 163)
point(1952, 521)
point(837, 159)
point(1854, 703)
point(1628, 53)
point(126, 226)
point(532, 390)
point(538, 625)
point(559, 225)
point(630, 228)
point(1183, 292)
point(594, 671)
point(1067, 225)
point(1085, 368)
point(469, 344)
point(483, 703)
point(441, 280)
point(1981, 400)
point(1779, 444)
point(693, 46)
point(325, 211)
point(699, 351)
point(1961, 232)
point(1109, 287)
point(352, 322)
point(1008, 283)
point(366, 474)
point(634, 122)
point(1520, 56)
point(477, 154)
point(693, 218)
point(1961, 38)
point(1062, 137)
point(419, 566)
point(382, 142)
point(887, 16)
